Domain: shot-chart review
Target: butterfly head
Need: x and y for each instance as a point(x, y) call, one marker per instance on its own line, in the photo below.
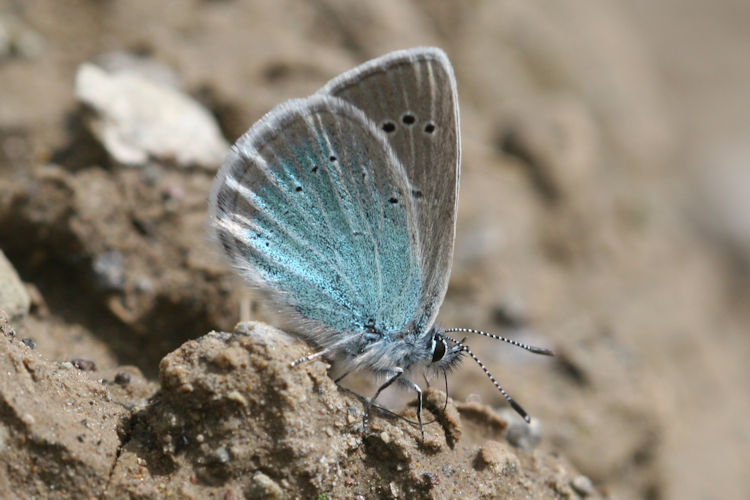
point(446, 352)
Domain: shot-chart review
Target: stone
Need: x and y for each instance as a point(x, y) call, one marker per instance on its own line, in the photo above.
point(14, 298)
point(137, 119)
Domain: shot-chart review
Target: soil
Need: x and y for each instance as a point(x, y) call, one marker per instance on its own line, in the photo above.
point(603, 213)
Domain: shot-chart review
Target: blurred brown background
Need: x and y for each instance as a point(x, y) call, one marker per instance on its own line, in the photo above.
point(604, 206)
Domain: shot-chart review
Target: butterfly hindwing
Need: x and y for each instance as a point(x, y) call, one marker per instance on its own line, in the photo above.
point(313, 207)
point(411, 96)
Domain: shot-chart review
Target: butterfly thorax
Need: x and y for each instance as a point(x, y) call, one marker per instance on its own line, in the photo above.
point(407, 351)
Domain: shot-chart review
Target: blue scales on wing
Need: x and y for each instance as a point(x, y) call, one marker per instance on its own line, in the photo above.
point(312, 207)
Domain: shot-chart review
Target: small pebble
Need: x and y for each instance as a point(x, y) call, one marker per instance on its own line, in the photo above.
point(109, 271)
point(521, 434)
point(6, 328)
point(85, 365)
point(495, 456)
point(430, 479)
point(263, 486)
point(15, 300)
point(122, 378)
point(222, 453)
point(237, 397)
point(474, 398)
point(583, 486)
point(29, 342)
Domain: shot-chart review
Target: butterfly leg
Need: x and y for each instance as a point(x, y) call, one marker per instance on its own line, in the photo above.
point(419, 406)
point(396, 373)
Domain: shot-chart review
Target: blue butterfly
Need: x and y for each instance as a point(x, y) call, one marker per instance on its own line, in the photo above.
point(341, 209)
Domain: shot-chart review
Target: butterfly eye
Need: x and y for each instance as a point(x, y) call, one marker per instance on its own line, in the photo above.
point(439, 351)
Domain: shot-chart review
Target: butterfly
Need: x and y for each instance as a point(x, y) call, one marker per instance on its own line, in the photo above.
point(341, 209)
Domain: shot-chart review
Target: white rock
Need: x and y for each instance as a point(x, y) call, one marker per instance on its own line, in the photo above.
point(137, 119)
point(14, 298)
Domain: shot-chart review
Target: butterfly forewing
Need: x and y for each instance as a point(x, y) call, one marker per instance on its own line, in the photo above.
point(313, 207)
point(411, 96)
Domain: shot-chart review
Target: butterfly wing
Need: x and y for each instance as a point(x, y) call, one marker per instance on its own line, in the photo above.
point(411, 96)
point(313, 208)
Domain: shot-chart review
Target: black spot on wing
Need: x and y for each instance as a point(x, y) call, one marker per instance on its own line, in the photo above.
point(408, 119)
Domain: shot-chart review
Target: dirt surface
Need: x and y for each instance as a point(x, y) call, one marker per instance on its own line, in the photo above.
point(603, 213)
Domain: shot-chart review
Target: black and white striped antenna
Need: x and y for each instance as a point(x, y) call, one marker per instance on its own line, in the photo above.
point(536, 350)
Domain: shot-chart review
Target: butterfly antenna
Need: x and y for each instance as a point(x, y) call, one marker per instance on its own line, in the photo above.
point(536, 350)
point(507, 397)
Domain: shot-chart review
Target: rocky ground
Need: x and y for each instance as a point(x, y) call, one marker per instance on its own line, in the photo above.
point(603, 213)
